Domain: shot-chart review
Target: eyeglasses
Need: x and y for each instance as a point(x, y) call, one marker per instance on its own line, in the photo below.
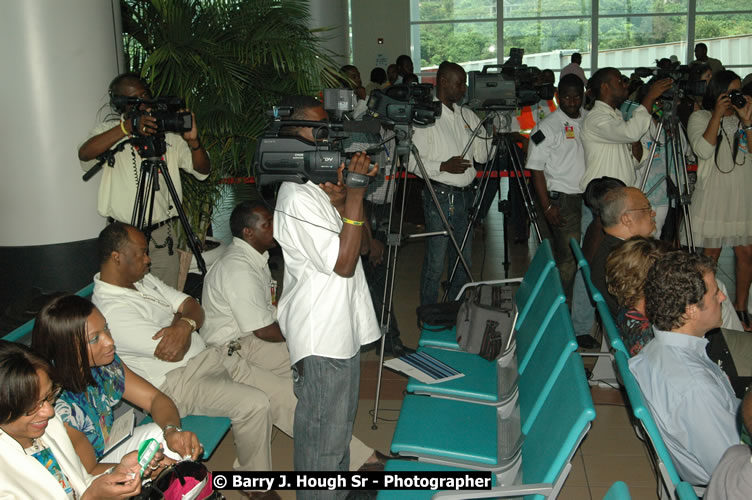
point(649, 208)
point(51, 399)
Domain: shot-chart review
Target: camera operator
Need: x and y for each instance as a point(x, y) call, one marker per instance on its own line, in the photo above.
point(118, 186)
point(721, 208)
point(612, 146)
point(452, 176)
point(325, 309)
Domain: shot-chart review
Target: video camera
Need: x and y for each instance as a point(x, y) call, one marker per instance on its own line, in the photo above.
point(680, 75)
point(511, 87)
point(166, 110)
point(403, 104)
point(281, 157)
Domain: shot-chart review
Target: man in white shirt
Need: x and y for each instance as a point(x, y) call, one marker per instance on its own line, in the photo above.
point(556, 158)
point(325, 311)
point(440, 146)
point(117, 188)
point(701, 57)
point(689, 396)
point(240, 302)
point(574, 68)
point(155, 331)
point(612, 146)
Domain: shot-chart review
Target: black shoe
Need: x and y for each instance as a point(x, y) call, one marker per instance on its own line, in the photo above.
point(395, 347)
point(587, 342)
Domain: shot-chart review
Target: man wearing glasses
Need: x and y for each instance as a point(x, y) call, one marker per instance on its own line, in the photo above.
point(625, 212)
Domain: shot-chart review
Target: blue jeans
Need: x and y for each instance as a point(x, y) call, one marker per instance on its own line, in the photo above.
point(456, 206)
point(583, 312)
point(327, 391)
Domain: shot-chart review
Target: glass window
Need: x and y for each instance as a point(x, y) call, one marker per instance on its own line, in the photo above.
point(641, 6)
point(451, 10)
point(623, 32)
point(547, 35)
point(456, 42)
point(543, 8)
point(722, 5)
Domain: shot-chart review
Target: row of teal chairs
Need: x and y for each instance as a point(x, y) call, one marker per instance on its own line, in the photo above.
point(671, 485)
point(525, 432)
point(210, 430)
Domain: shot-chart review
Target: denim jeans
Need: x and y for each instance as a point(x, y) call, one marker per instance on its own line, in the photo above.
point(456, 207)
point(327, 391)
point(583, 312)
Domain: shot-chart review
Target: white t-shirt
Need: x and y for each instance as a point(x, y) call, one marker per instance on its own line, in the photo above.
point(321, 312)
point(117, 188)
point(447, 138)
point(237, 295)
point(561, 155)
point(608, 142)
point(135, 316)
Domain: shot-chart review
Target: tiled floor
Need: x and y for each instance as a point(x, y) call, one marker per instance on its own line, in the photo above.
point(610, 452)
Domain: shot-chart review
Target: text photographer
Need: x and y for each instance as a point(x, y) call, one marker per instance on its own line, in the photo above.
point(131, 99)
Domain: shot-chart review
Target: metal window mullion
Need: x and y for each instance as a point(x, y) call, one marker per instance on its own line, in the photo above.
point(595, 7)
point(691, 18)
point(499, 31)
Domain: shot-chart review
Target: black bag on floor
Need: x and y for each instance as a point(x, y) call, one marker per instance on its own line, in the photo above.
point(485, 320)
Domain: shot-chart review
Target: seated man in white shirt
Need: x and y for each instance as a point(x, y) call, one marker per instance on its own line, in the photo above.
point(689, 396)
point(612, 146)
point(155, 331)
point(240, 302)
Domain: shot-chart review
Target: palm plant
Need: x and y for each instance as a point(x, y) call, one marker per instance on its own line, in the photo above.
point(231, 60)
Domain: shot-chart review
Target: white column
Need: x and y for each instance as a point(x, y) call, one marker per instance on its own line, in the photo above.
point(332, 14)
point(58, 58)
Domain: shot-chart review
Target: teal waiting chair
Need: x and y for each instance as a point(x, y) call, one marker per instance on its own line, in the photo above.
point(530, 285)
point(618, 491)
point(685, 491)
point(495, 382)
point(547, 451)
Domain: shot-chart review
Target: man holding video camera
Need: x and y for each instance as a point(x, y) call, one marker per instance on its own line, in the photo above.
point(118, 186)
point(612, 145)
point(325, 310)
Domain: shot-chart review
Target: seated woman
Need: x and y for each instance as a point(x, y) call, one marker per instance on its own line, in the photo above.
point(37, 459)
point(73, 336)
point(626, 271)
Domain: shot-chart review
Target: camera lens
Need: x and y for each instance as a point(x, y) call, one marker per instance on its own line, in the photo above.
point(737, 99)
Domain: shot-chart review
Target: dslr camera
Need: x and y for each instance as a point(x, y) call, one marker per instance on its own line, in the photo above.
point(737, 99)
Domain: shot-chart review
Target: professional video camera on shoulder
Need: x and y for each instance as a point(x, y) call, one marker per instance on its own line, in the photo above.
point(283, 156)
point(404, 104)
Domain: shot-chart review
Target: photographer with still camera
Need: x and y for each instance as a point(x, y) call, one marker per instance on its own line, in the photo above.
point(143, 125)
point(721, 206)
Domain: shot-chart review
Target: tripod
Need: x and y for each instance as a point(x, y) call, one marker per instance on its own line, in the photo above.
point(670, 125)
point(148, 184)
point(405, 147)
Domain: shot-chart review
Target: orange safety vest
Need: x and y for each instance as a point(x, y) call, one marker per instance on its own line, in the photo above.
point(527, 118)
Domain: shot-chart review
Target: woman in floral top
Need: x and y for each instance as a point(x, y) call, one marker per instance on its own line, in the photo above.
point(73, 335)
point(626, 271)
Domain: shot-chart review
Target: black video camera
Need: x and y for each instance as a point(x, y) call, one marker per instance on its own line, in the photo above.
point(680, 75)
point(166, 110)
point(506, 89)
point(402, 104)
point(283, 158)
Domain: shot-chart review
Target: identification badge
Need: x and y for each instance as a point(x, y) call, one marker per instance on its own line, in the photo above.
point(273, 290)
point(569, 131)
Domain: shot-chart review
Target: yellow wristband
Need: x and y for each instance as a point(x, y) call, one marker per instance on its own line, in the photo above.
point(357, 223)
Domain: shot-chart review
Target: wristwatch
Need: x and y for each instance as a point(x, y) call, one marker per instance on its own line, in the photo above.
point(190, 322)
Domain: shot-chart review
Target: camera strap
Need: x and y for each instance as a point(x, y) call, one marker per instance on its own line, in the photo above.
point(355, 180)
